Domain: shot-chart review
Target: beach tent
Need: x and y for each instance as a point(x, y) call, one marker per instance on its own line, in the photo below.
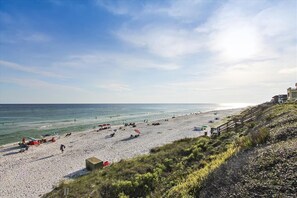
point(204, 127)
point(33, 142)
point(198, 128)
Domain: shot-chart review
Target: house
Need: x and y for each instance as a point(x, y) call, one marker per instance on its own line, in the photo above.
point(292, 93)
point(281, 98)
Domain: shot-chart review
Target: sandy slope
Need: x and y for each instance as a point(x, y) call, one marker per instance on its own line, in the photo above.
point(33, 173)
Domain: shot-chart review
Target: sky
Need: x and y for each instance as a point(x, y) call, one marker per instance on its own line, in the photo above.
point(131, 51)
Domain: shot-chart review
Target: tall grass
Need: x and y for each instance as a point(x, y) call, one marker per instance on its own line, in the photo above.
point(194, 180)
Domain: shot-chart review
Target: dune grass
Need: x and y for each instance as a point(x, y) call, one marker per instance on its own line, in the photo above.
point(194, 180)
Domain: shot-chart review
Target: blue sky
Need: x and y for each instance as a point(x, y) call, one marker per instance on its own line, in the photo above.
point(80, 51)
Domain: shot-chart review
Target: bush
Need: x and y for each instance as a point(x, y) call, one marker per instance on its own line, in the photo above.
point(251, 125)
point(269, 118)
point(243, 142)
point(253, 139)
point(260, 137)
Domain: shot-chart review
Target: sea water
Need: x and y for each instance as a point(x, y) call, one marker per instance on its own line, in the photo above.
point(35, 120)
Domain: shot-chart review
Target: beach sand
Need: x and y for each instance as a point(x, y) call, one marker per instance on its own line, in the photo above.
point(35, 172)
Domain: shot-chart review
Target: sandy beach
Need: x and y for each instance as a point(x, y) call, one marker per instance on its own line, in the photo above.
point(35, 172)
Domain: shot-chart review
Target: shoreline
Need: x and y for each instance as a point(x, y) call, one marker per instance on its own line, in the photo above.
point(14, 134)
point(43, 166)
point(118, 125)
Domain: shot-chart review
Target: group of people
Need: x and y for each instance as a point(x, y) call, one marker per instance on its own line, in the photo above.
point(134, 136)
point(130, 124)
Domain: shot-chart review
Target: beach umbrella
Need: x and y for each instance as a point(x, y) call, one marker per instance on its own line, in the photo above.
point(137, 131)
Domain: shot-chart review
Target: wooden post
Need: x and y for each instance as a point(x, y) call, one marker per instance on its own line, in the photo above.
point(212, 130)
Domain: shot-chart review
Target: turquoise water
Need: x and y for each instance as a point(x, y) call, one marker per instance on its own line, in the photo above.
point(33, 120)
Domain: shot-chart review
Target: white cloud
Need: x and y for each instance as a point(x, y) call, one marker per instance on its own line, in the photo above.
point(120, 7)
point(164, 41)
point(235, 32)
point(119, 87)
point(35, 83)
point(237, 42)
point(186, 11)
point(15, 37)
point(36, 37)
point(263, 32)
point(250, 44)
point(103, 59)
point(292, 70)
point(29, 69)
point(278, 19)
point(38, 91)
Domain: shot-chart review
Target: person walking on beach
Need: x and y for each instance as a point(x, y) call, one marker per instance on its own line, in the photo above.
point(62, 147)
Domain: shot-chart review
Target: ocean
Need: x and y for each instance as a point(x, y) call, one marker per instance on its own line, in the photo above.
point(34, 120)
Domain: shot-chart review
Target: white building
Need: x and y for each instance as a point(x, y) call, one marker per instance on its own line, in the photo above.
point(292, 93)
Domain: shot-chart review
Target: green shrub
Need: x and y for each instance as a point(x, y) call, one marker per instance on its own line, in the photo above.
point(168, 163)
point(216, 143)
point(260, 136)
point(251, 125)
point(155, 150)
point(243, 142)
point(254, 138)
point(269, 118)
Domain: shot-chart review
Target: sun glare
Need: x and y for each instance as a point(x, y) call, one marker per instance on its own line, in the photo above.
point(238, 43)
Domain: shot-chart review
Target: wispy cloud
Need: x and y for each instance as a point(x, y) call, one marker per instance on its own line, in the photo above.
point(21, 37)
point(232, 34)
point(184, 11)
point(40, 84)
point(29, 69)
point(164, 41)
point(17, 28)
point(120, 7)
point(292, 70)
point(118, 87)
point(103, 59)
point(36, 37)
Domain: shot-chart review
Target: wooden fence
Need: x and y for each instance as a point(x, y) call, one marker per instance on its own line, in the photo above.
point(247, 116)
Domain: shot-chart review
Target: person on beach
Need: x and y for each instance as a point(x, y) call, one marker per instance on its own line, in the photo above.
point(24, 140)
point(62, 147)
